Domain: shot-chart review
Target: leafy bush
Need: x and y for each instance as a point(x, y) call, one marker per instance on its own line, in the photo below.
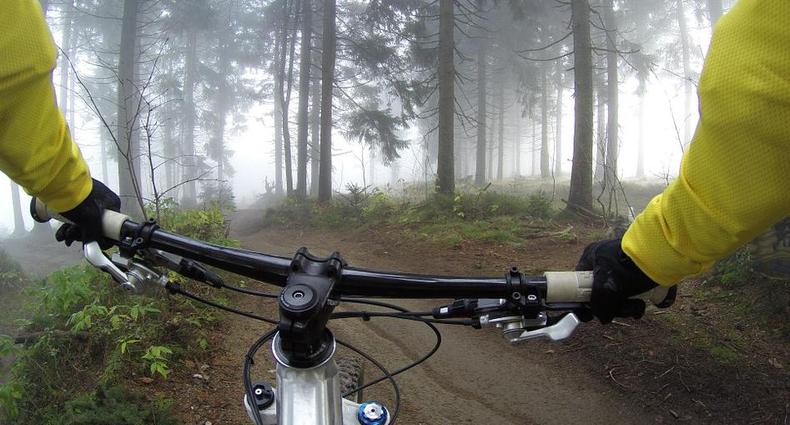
point(357, 206)
point(11, 274)
point(116, 406)
point(481, 215)
point(379, 207)
point(87, 325)
point(538, 205)
point(207, 224)
point(290, 211)
point(485, 205)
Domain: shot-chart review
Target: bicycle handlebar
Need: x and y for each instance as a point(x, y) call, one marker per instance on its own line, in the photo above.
point(556, 287)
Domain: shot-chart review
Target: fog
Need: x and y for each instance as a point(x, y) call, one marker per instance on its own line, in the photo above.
point(213, 78)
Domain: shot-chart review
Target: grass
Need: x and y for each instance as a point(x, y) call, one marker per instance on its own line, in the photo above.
point(485, 216)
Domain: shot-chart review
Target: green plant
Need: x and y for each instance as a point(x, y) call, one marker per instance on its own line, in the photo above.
point(207, 224)
point(289, 211)
point(11, 274)
point(89, 326)
point(10, 395)
point(156, 358)
point(379, 207)
point(538, 205)
point(10, 392)
point(116, 406)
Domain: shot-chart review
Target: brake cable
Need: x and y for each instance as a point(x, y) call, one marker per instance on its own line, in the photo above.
point(175, 288)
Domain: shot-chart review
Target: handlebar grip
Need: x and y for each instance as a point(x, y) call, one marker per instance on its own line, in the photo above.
point(570, 287)
point(112, 221)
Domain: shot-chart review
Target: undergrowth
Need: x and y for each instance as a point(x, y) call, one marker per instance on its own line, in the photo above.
point(87, 340)
point(11, 274)
point(482, 215)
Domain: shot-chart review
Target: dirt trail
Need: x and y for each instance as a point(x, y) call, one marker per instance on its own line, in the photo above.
point(475, 378)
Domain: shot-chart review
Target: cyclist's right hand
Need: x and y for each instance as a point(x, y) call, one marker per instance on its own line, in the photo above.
point(615, 280)
point(87, 217)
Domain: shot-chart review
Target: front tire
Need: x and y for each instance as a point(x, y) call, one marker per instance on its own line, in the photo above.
point(351, 374)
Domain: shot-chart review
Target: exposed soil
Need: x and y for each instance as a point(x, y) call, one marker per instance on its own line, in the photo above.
point(630, 372)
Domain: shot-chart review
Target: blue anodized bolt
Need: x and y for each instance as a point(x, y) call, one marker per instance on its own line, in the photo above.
point(372, 413)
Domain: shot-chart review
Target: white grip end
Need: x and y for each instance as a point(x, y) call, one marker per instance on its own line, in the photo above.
point(112, 221)
point(568, 287)
point(576, 287)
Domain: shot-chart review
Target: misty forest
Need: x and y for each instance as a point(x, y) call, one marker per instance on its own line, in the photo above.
point(455, 137)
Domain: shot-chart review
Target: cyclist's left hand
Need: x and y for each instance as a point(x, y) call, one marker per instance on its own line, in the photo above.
point(87, 217)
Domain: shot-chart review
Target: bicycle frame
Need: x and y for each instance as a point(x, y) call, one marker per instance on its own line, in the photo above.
point(307, 396)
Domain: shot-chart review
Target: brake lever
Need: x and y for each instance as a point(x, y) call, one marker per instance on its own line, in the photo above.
point(563, 329)
point(96, 258)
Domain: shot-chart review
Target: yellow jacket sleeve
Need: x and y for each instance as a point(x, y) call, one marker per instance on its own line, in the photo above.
point(36, 150)
point(733, 182)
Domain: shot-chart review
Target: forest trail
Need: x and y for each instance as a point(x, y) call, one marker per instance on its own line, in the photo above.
point(475, 378)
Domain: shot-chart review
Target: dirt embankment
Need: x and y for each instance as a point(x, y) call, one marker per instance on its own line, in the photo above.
point(619, 374)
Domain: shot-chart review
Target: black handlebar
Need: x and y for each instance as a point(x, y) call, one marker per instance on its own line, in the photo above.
point(354, 281)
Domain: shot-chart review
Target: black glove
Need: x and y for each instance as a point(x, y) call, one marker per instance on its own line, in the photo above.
point(615, 279)
point(87, 217)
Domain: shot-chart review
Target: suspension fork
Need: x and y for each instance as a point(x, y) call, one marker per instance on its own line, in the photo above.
point(308, 384)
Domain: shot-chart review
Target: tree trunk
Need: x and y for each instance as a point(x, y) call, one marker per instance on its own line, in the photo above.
point(222, 105)
point(490, 154)
point(600, 139)
point(128, 140)
point(315, 107)
point(327, 84)
point(685, 52)
point(219, 134)
point(286, 95)
point(517, 142)
point(170, 153)
point(315, 140)
point(545, 168)
point(304, 99)
point(19, 221)
point(372, 165)
point(558, 129)
point(480, 152)
point(103, 141)
point(277, 117)
point(612, 124)
point(445, 182)
point(189, 198)
point(580, 195)
point(533, 148)
point(394, 171)
point(640, 153)
point(500, 162)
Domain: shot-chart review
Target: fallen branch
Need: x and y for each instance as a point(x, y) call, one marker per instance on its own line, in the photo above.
point(667, 371)
point(611, 375)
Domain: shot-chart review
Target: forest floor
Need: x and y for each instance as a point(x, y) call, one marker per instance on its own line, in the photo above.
point(705, 360)
point(694, 363)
